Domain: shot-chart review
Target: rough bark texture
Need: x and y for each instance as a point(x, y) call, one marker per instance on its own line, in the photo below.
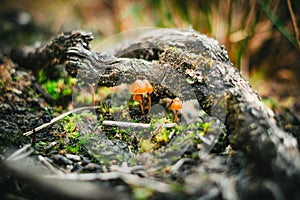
point(53, 53)
point(251, 125)
point(189, 65)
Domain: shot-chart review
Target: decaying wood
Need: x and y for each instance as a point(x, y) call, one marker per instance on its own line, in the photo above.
point(191, 66)
point(54, 52)
point(251, 125)
point(54, 188)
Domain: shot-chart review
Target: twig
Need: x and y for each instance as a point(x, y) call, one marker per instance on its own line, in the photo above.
point(21, 153)
point(125, 168)
point(49, 165)
point(128, 178)
point(294, 22)
point(105, 122)
point(58, 118)
point(176, 167)
point(133, 125)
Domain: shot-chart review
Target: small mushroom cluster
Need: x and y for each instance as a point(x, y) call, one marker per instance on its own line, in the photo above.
point(139, 88)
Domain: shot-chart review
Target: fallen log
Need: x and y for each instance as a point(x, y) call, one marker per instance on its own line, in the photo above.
point(251, 125)
point(188, 65)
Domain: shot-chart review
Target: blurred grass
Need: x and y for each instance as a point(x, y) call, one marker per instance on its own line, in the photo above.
point(242, 26)
point(260, 35)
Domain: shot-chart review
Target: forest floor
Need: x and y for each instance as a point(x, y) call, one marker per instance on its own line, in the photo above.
point(70, 146)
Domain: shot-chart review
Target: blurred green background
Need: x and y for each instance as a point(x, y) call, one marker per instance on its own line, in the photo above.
point(261, 36)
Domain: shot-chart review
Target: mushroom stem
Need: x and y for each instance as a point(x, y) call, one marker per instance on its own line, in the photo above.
point(139, 98)
point(139, 87)
point(142, 104)
point(149, 102)
point(176, 116)
point(148, 92)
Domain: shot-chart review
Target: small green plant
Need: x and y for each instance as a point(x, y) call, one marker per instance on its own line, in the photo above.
point(75, 147)
point(162, 137)
point(204, 127)
point(118, 133)
point(67, 137)
point(40, 145)
point(70, 126)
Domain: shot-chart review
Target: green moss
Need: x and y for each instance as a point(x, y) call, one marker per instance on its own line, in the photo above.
point(56, 88)
point(69, 126)
point(162, 137)
point(141, 193)
point(67, 137)
point(204, 127)
point(146, 145)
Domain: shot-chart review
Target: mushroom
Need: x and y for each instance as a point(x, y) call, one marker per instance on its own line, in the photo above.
point(149, 91)
point(138, 88)
point(176, 106)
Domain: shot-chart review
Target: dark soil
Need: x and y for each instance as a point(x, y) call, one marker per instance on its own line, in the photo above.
point(20, 108)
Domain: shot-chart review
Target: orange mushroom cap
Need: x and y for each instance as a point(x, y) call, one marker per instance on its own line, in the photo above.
point(176, 105)
point(137, 97)
point(138, 87)
point(148, 85)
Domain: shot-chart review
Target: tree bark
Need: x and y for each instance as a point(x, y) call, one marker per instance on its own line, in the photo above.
point(52, 53)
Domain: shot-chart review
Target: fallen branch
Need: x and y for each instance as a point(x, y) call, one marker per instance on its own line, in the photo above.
point(25, 151)
point(134, 125)
point(128, 178)
point(53, 53)
point(58, 118)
